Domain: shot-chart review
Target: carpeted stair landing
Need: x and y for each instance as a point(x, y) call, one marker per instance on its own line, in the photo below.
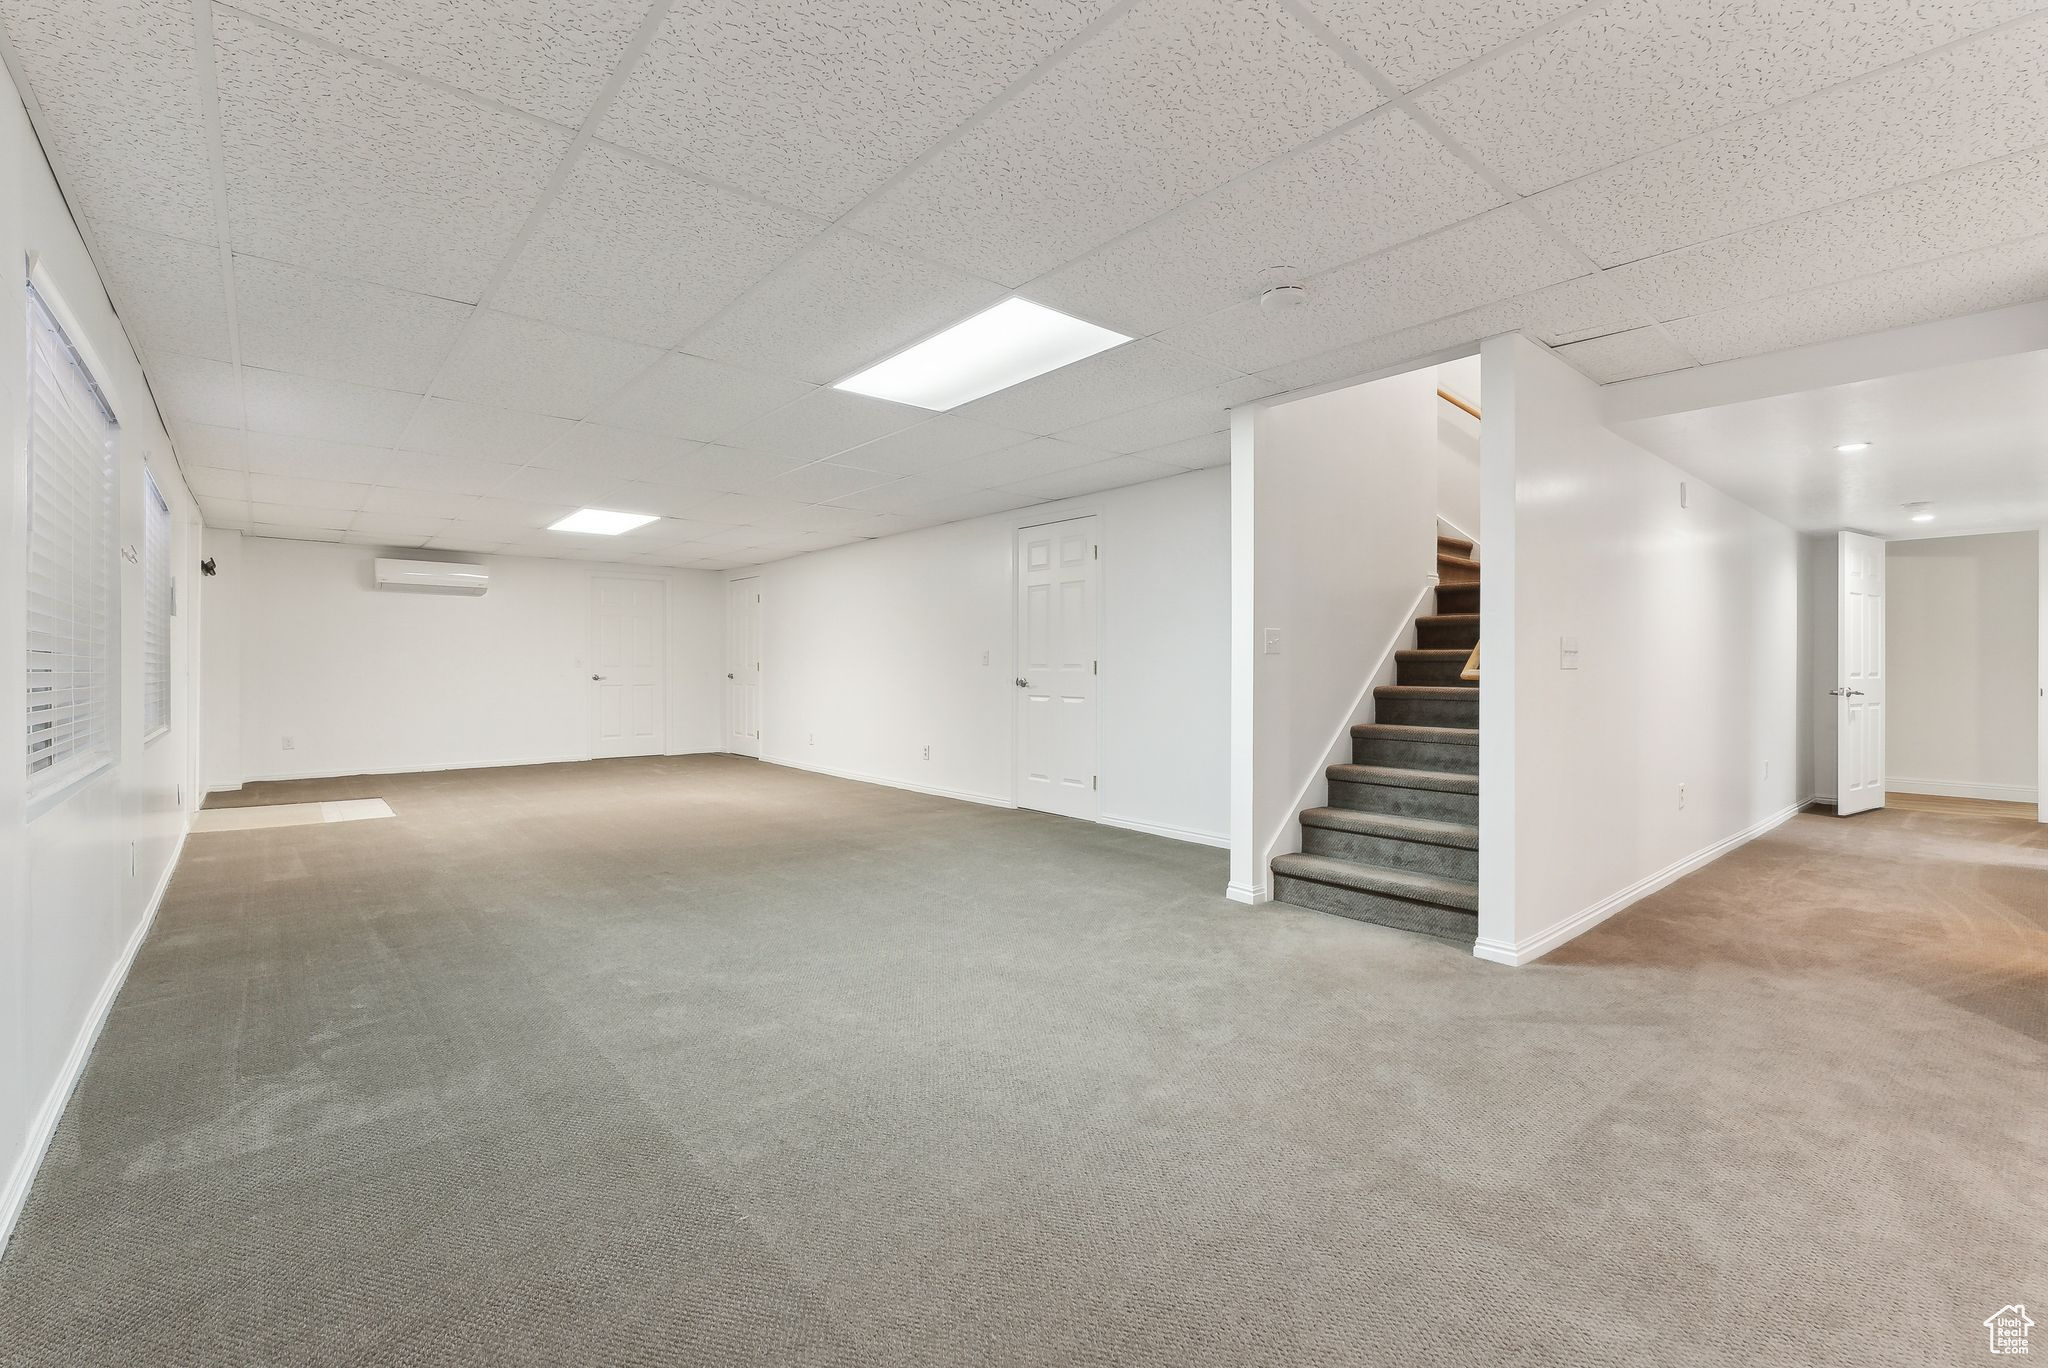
point(1399, 842)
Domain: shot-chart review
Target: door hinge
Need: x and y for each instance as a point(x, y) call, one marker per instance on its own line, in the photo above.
point(1095, 667)
point(1095, 781)
point(1098, 552)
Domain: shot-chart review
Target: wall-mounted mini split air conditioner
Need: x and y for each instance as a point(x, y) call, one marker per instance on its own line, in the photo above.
point(436, 577)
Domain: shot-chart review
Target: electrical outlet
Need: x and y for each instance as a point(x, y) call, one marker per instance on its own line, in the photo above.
point(814, 738)
point(1767, 769)
point(927, 752)
point(289, 744)
point(984, 657)
point(131, 859)
point(1681, 797)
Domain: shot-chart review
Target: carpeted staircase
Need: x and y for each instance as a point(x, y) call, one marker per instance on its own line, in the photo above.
point(1399, 842)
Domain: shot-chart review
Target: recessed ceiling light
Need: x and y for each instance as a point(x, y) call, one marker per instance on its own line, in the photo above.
point(1853, 446)
point(1920, 512)
point(993, 350)
point(601, 521)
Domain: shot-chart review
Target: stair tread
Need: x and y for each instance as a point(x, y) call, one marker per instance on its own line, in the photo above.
point(1459, 653)
point(1472, 618)
point(1462, 562)
point(1456, 693)
point(1396, 883)
point(1399, 731)
point(1394, 776)
point(1428, 830)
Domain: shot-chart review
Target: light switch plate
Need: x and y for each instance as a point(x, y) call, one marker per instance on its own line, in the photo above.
point(1272, 641)
point(1567, 653)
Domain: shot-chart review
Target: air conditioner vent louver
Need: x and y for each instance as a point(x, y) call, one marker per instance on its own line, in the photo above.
point(436, 577)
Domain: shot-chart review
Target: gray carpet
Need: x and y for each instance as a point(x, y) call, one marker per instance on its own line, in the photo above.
point(701, 1061)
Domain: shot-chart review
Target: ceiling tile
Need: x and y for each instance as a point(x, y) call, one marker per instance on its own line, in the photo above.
point(1496, 256)
point(140, 158)
point(2012, 273)
point(521, 514)
point(542, 56)
point(823, 423)
point(1174, 97)
point(211, 482)
point(1584, 307)
point(1979, 206)
point(910, 494)
point(727, 470)
point(690, 396)
point(168, 291)
point(1113, 473)
point(632, 249)
point(201, 443)
point(1626, 78)
point(816, 102)
point(1413, 41)
point(1366, 189)
point(475, 538)
point(293, 489)
point(443, 474)
point(418, 503)
point(1626, 355)
point(1976, 101)
point(1193, 453)
point(388, 541)
point(297, 515)
point(843, 304)
point(302, 406)
point(1133, 375)
point(1170, 420)
point(520, 363)
point(1044, 456)
point(741, 509)
point(228, 514)
point(311, 458)
point(480, 432)
point(395, 525)
point(615, 452)
point(335, 329)
point(821, 518)
point(935, 442)
point(342, 166)
point(821, 481)
point(194, 388)
point(574, 488)
point(668, 501)
point(294, 531)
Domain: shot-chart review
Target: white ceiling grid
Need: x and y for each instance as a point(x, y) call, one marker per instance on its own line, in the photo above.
point(435, 272)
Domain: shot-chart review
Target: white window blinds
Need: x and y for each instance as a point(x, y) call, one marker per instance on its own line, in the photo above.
point(73, 658)
point(156, 610)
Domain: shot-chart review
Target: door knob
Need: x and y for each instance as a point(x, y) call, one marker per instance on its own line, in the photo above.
point(1845, 693)
point(728, 674)
point(597, 676)
point(1023, 683)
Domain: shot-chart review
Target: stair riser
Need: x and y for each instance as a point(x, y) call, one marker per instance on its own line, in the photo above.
point(1429, 712)
point(1391, 852)
point(1446, 636)
point(1445, 923)
point(1456, 574)
point(1457, 598)
point(1451, 546)
point(1405, 802)
point(1415, 755)
point(1436, 672)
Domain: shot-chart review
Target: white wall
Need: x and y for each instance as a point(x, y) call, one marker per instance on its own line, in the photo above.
point(1457, 445)
point(1962, 634)
point(220, 677)
point(1687, 621)
point(78, 880)
point(873, 651)
point(366, 681)
point(1340, 490)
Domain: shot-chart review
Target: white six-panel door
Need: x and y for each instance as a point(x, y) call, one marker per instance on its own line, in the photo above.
point(1860, 687)
point(743, 666)
point(1058, 568)
point(627, 667)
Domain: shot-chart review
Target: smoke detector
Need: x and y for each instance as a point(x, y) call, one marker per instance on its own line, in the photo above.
point(1283, 298)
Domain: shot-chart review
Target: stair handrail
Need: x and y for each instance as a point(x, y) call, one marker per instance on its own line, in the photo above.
point(1471, 670)
point(1455, 402)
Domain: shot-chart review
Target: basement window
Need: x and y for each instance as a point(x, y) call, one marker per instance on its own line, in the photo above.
point(73, 647)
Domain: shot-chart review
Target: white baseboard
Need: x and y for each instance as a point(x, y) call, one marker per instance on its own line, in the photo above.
point(1521, 952)
point(1947, 788)
point(964, 795)
point(1171, 833)
point(351, 772)
point(14, 1195)
point(1254, 895)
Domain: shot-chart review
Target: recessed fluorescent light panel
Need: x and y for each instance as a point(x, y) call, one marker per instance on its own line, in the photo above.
point(993, 350)
point(601, 521)
point(1853, 446)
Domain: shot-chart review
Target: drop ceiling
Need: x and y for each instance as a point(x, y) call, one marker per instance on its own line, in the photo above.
point(433, 274)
